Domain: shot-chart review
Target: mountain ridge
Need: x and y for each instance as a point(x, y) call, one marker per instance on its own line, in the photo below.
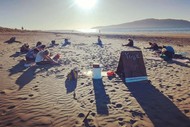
point(150, 23)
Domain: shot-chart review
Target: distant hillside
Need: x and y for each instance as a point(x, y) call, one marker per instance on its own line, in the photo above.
point(150, 23)
point(3, 29)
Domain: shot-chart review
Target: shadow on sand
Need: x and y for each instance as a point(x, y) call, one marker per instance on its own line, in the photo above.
point(17, 68)
point(178, 63)
point(101, 98)
point(160, 110)
point(30, 74)
point(16, 54)
point(70, 85)
point(11, 40)
point(135, 47)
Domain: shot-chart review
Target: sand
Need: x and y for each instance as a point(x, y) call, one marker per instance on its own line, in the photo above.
point(40, 96)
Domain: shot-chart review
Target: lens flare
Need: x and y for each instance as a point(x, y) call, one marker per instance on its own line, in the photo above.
point(86, 4)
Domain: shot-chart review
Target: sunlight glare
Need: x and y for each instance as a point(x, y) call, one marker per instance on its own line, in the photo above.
point(86, 4)
point(88, 30)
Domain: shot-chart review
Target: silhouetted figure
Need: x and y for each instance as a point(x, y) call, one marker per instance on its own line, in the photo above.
point(153, 46)
point(52, 44)
point(99, 42)
point(11, 40)
point(66, 42)
point(38, 43)
point(130, 43)
point(24, 48)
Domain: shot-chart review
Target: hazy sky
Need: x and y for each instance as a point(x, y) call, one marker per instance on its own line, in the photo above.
point(67, 14)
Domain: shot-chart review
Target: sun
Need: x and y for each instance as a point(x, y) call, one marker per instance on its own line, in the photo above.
point(86, 4)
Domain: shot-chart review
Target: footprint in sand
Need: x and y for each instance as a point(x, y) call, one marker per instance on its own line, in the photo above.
point(167, 86)
point(178, 84)
point(35, 88)
point(2, 92)
point(173, 88)
point(120, 119)
point(116, 87)
point(113, 103)
point(126, 98)
point(119, 105)
point(59, 76)
point(91, 101)
point(9, 124)
point(121, 123)
point(113, 91)
point(22, 97)
point(81, 115)
point(170, 96)
point(137, 113)
point(11, 107)
point(186, 111)
point(93, 114)
point(132, 121)
point(8, 91)
point(179, 100)
point(30, 95)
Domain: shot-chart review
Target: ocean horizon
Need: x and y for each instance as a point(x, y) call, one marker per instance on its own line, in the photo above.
point(128, 30)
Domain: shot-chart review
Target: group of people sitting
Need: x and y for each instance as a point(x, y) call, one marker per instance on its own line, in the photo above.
point(165, 52)
point(39, 54)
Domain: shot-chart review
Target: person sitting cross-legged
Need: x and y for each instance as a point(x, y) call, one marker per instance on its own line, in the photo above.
point(130, 43)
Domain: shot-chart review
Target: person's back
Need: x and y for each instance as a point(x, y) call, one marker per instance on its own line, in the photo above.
point(39, 56)
point(167, 52)
point(99, 41)
point(43, 58)
point(41, 47)
point(24, 48)
point(130, 42)
point(38, 43)
point(170, 49)
point(31, 55)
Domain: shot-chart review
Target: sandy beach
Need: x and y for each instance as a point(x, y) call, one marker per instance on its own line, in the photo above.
point(40, 96)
